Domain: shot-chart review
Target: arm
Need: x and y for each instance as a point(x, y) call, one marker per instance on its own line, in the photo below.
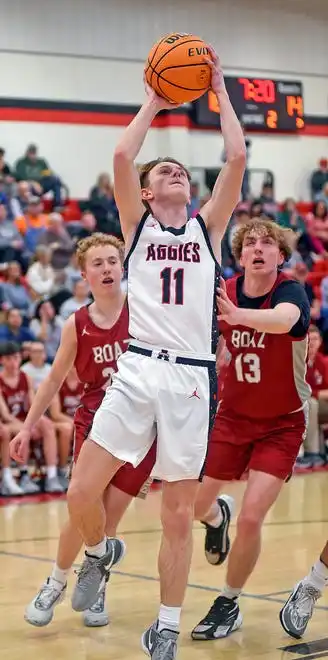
point(63, 362)
point(278, 321)
point(226, 192)
point(4, 412)
point(126, 179)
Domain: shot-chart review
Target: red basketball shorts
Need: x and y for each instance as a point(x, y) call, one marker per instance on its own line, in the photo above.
point(130, 480)
point(239, 444)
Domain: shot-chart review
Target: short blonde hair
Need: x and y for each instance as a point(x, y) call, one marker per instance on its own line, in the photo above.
point(262, 227)
point(95, 240)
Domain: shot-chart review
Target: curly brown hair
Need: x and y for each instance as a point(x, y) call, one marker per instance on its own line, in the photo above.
point(262, 227)
point(95, 240)
point(147, 167)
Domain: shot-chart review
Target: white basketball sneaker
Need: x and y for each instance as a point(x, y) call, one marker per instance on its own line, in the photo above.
point(41, 609)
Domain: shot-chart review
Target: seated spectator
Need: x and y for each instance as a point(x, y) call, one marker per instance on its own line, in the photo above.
point(14, 290)
point(289, 217)
point(58, 240)
point(313, 243)
point(47, 327)
point(13, 329)
point(300, 273)
point(256, 209)
point(62, 411)
point(21, 199)
point(80, 298)
point(323, 195)
point(9, 485)
point(11, 242)
point(84, 228)
point(319, 178)
point(37, 171)
point(37, 369)
point(72, 273)
point(41, 276)
point(17, 391)
point(32, 225)
point(103, 206)
point(269, 205)
point(5, 170)
point(317, 377)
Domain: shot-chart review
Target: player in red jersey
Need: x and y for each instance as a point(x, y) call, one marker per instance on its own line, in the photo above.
point(261, 422)
point(70, 394)
point(18, 394)
point(93, 339)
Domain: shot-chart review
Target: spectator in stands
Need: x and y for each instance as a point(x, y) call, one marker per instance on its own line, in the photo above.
point(323, 195)
point(84, 228)
point(32, 224)
point(13, 329)
point(37, 369)
point(14, 290)
point(57, 238)
point(103, 206)
point(313, 243)
point(317, 377)
point(80, 298)
point(47, 327)
point(11, 242)
point(269, 205)
point(319, 178)
point(37, 171)
point(72, 273)
point(289, 217)
point(300, 273)
point(5, 171)
point(21, 200)
point(41, 275)
point(256, 209)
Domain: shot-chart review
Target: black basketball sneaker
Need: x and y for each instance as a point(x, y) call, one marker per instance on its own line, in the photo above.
point(217, 542)
point(221, 620)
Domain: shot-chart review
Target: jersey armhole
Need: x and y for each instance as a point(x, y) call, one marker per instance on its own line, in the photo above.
point(135, 239)
point(203, 227)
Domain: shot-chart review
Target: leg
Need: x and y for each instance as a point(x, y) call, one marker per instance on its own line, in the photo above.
point(64, 437)
point(298, 609)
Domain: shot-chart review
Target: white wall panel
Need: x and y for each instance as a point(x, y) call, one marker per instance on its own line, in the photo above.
point(246, 32)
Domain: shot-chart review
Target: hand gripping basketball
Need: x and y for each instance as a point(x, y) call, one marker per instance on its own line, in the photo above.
point(217, 79)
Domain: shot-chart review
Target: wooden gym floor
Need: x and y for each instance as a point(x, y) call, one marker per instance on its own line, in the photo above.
point(294, 533)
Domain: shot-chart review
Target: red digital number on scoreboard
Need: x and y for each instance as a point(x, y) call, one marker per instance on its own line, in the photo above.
point(259, 91)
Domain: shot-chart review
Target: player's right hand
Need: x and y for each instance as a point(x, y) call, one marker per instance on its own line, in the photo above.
point(20, 446)
point(161, 103)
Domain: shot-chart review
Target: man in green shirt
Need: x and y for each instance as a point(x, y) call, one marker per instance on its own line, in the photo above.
point(37, 171)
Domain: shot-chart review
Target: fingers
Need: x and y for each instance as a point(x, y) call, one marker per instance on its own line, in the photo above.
point(18, 450)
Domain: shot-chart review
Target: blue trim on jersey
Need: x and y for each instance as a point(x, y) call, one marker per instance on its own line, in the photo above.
point(177, 231)
point(212, 407)
point(215, 328)
point(135, 241)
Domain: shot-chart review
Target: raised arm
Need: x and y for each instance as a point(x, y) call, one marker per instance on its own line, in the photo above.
point(226, 192)
point(127, 189)
point(63, 362)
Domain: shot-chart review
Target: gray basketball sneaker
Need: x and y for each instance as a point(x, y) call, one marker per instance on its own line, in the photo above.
point(97, 615)
point(298, 609)
point(41, 609)
point(160, 645)
point(93, 574)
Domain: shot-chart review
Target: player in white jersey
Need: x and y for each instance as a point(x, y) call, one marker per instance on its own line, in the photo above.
point(166, 380)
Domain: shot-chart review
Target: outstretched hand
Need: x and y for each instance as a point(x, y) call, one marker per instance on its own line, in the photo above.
point(228, 311)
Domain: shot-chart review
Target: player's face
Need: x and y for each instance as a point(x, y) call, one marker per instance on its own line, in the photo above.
point(103, 270)
point(168, 181)
point(11, 363)
point(260, 254)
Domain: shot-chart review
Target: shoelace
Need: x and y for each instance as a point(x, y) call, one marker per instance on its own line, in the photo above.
point(218, 606)
point(47, 596)
point(165, 646)
point(306, 600)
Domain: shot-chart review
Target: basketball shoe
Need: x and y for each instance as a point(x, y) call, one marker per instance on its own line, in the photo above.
point(298, 609)
point(221, 620)
point(217, 542)
point(160, 645)
point(92, 576)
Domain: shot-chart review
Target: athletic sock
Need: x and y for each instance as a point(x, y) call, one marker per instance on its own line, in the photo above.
point(318, 576)
point(169, 618)
point(229, 592)
point(58, 576)
point(98, 550)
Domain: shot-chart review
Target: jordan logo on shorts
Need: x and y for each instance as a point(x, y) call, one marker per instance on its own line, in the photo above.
point(194, 394)
point(163, 355)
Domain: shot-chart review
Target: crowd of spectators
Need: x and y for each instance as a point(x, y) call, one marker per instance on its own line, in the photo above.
point(41, 286)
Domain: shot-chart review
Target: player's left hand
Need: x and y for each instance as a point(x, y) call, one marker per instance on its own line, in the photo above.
point(217, 80)
point(228, 311)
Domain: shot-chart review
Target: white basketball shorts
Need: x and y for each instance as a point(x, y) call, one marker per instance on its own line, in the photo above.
point(157, 392)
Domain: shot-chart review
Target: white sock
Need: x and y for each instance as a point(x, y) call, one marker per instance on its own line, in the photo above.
point(216, 512)
point(51, 471)
point(7, 475)
point(98, 550)
point(59, 575)
point(229, 592)
point(169, 618)
point(318, 576)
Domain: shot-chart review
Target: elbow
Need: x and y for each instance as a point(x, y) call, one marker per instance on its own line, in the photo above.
point(238, 158)
point(121, 156)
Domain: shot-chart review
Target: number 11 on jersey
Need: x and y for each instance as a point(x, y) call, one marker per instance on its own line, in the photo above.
point(167, 276)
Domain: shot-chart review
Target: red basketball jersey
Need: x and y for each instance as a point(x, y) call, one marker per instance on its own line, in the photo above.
point(265, 374)
point(97, 353)
point(16, 398)
point(70, 398)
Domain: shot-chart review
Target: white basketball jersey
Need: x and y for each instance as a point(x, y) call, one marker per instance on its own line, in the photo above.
point(172, 278)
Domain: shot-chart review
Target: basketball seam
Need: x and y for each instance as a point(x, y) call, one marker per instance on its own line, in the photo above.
point(190, 41)
point(154, 53)
point(163, 93)
point(188, 89)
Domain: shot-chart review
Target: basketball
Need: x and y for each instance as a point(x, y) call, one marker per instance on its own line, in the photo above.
point(175, 68)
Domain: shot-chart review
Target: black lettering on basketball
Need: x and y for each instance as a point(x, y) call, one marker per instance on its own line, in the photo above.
point(195, 255)
point(198, 51)
point(175, 37)
point(191, 52)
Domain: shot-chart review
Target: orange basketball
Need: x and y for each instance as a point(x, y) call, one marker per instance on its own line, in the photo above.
point(176, 70)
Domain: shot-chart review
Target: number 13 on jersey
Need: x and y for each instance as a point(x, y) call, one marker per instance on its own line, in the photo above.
point(248, 368)
point(172, 294)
